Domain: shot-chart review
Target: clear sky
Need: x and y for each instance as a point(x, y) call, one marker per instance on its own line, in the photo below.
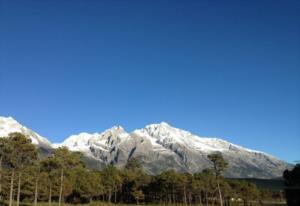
point(228, 69)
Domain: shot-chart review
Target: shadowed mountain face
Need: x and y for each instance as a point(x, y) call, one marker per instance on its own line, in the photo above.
point(162, 147)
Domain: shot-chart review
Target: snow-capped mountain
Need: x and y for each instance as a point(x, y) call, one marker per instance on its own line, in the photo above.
point(9, 125)
point(159, 147)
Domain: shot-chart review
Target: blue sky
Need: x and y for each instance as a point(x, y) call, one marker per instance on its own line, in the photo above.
point(228, 70)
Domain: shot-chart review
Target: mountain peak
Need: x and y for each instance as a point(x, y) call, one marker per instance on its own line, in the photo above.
point(116, 128)
point(160, 124)
point(8, 119)
point(166, 128)
point(164, 124)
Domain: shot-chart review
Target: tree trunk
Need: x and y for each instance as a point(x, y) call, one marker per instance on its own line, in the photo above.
point(200, 198)
point(61, 187)
point(220, 194)
point(115, 196)
point(206, 200)
point(184, 195)
point(36, 192)
point(50, 195)
point(11, 187)
point(173, 195)
point(190, 198)
point(109, 196)
point(19, 189)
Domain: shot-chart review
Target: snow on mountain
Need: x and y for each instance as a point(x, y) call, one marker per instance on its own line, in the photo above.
point(84, 141)
point(164, 133)
point(9, 125)
point(78, 142)
point(159, 147)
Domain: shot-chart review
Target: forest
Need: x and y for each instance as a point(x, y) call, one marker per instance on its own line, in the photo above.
point(29, 177)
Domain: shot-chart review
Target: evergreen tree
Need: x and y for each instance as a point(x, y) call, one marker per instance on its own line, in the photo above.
point(67, 162)
point(135, 180)
point(219, 165)
point(111, 179)
point(49, 168)
point(292, 183)
point(18, 153)
point(3, 141)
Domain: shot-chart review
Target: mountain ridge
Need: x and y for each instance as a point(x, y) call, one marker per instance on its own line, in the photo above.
point(10, 125)
point(159, 147)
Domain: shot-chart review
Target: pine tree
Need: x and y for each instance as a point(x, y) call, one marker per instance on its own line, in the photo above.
point(219, 165)
point(3, 141)
point(49, 167)
point(67, 161)
point(18, 153)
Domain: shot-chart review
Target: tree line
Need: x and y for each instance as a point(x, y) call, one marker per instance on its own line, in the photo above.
point(28, 176)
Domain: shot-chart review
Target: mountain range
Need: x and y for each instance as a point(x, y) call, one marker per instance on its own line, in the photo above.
point(158, 147)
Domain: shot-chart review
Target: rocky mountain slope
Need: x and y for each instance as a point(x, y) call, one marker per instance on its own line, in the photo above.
point(160, 147)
